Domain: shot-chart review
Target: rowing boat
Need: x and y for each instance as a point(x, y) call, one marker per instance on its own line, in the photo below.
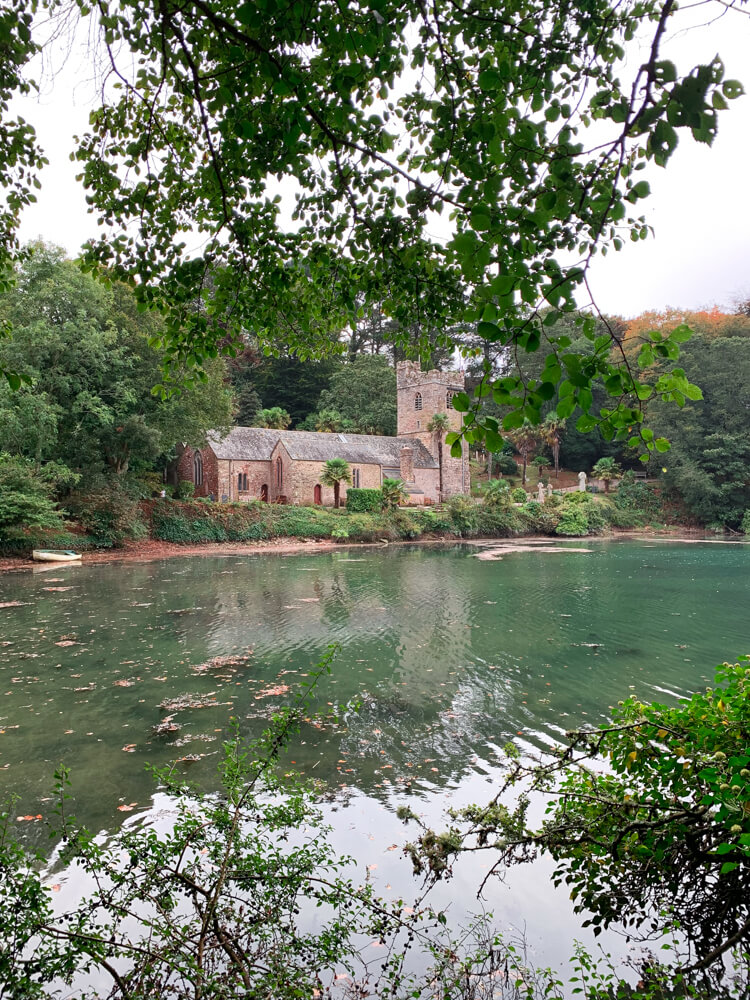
point(55, 555)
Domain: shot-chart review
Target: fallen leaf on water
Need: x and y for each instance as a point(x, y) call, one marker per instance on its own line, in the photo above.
point(56, 887)
point(66, 642)
point(28, 819)
point(57, 588)
point(128, 808)
point(371, 867)
point(129, 747)
point(123, 684)
point(272, 691)
point(393, 847)
point(12, 604)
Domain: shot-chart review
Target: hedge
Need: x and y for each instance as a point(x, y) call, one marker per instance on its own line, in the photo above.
point(360, 501)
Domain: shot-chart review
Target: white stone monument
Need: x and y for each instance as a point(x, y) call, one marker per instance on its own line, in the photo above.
point(540, 492)
point(549, 489)
point(581, 482)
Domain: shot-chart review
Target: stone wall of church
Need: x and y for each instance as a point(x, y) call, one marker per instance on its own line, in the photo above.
point(258, 475)
point(427, 481)
point(420, 396)
point(186, 470)
point(301, 478)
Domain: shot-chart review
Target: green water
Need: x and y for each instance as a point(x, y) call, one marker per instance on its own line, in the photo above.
point(450, 656)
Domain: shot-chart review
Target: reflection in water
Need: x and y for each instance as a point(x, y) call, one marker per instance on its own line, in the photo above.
point(448, 656)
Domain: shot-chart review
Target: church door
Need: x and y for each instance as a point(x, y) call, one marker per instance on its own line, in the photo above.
point(318, 494)
point(264, 493)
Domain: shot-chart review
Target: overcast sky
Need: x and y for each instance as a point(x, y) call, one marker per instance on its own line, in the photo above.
point(699, 207)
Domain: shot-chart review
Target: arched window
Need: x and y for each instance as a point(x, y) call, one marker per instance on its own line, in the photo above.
point(418, 401)
point(449, 400)
point(197, 469)
point(279, 473)
point(242, 482)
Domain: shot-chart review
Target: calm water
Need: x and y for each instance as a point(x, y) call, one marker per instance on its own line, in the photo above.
point(449, 655)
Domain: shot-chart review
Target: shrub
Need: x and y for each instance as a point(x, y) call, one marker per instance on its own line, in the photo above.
point(573, 521)
point(27, 511)
point(506, 465)
point(404, 523)
point(496, 493)
point(637, 497)
point(745, 525)
point(431, 520)
point(109, 515)
point(538, 518)
point(463, 515)
point(360, 501)
point(195, 523)
point(498, 522)
point(184, 490)
point(518, 495)
point(339, 533)
point(393, 492)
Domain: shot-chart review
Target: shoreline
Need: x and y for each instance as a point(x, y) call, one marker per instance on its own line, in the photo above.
point(150, 550)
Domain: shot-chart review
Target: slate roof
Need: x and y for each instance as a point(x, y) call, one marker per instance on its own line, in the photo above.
point(255, 444)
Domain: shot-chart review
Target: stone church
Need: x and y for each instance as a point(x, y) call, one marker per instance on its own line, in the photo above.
point(254, 463)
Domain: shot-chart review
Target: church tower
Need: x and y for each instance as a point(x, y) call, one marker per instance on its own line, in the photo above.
point(420, 396)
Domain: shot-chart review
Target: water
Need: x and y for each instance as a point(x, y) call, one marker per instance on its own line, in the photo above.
point(450, 657)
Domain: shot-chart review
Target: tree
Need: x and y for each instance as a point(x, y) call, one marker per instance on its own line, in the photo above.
point(438, 426)
point(27, 508)
point(394, 493)
point(525, 439)
point(532, 136)
point(335, 472)
point(707, 464)
point(327, 421)
point(364, 391)
point(607, 469)
point(551, 434)
point(86, 352)
point(274, 417)
point(647, 822)
point(293, 383)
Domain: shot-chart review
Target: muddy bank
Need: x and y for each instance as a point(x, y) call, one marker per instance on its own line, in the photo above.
point(149, 549)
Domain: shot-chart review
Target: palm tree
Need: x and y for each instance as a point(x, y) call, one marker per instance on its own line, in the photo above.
point(335, 472)
point(525, 440)
point(274, 417)
point(551, 432)
point(394, 493)
point(438, 426)
point(607, 469)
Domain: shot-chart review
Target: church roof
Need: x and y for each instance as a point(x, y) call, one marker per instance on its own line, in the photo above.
point(255, 444)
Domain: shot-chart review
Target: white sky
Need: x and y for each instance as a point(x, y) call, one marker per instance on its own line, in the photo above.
point(699, 207)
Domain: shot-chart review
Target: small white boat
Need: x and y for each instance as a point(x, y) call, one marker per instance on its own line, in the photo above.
point(55, 555)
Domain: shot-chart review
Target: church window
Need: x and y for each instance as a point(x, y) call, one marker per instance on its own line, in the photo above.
point(355, 478)
point(279, 473)
point(198, 469)
point(449, 400)
point(418, 401)
point(242, 481)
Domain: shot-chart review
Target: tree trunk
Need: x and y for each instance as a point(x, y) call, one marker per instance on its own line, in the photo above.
point(556, 456)
point(523, 478)
point(440, 466)
point(336, 489)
